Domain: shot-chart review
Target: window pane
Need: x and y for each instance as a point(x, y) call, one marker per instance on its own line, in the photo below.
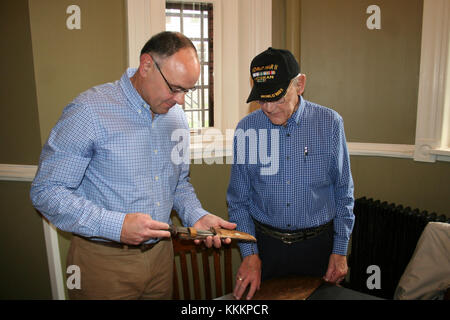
point(191, 27)
point(198, 47)
point(192, 100)
point(189, 119)
point(206, 118)
point(205, 75)
point(192, 13)
point(173, 23)
point(175, 11)
point(205, 51)
point(188, 101)
point(196, 99)
point(196, 119)
point(206, 103)
point(205, 25)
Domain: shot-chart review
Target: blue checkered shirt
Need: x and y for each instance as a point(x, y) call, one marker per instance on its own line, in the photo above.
point(107, 157)
point(311, 184)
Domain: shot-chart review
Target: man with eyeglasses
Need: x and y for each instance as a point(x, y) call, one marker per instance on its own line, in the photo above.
point(302, 214)
point(106, 175)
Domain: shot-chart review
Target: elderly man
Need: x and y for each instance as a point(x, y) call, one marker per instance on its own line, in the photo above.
point(301, 208)
point(106, 175)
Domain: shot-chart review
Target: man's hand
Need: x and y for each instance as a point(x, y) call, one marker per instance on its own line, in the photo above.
point(249, 273)
point(337, 269)
point(208, 221)
point(139, 227)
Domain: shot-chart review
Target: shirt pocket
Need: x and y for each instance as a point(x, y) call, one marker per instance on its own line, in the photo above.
point(314, 170)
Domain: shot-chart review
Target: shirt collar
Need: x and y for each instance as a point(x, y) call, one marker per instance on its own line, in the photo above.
point(295, 117)
point(130, 91)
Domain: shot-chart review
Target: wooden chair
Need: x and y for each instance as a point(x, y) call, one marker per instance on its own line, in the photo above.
point(183, 249)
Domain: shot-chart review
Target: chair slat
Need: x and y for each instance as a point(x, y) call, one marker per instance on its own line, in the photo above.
point(207, 273)
point(228, 271)
point(184, 273)
point(218, 273)
point(195, 273)
point(176, 290)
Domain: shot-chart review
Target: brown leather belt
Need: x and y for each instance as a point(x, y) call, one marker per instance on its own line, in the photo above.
point(143, 247)
point(290, 237)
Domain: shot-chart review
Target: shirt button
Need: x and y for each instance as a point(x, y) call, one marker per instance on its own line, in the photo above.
point(156, 151)
point(288, 225)
point(158, 204)
point(288, 182)
point(288, 135)
point(139, 111)
point(288, 204)
point(156, 178)
point(287, 158)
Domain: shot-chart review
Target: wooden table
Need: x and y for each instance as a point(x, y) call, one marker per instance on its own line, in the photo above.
point(302, 288)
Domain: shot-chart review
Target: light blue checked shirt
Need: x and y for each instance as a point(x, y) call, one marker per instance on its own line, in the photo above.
point(311, 185)
point(107, 157)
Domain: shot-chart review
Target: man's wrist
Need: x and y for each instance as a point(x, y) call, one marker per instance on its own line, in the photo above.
point(197, 215)
point(111, 226)
point(248, 249)
point(252, 256)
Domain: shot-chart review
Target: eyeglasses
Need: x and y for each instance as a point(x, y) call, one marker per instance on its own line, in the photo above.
point(279, 101)
point(176, 90)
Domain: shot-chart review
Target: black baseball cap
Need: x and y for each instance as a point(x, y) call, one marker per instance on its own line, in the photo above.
point(272, 71)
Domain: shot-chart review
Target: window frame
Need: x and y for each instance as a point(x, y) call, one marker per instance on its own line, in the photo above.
point(433, 110)
point(251, 20)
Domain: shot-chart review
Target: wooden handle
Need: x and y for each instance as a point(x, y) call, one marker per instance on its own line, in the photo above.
point(233, 234)
point(192, 232)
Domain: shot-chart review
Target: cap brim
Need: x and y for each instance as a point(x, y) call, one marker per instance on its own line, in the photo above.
point(258, 91)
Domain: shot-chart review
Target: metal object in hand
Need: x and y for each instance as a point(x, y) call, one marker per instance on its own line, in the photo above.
point(193, 233)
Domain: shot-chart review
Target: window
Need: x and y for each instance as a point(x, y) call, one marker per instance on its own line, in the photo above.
point(195, 20)
point(433, 111)
point(241, 30)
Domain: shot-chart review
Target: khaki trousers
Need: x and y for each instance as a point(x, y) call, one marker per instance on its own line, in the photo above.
point(121, 273)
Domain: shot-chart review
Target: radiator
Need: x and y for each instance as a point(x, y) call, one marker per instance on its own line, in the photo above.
point(385, 235)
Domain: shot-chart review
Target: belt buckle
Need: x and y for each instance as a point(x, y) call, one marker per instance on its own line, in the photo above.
point(284, 239)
